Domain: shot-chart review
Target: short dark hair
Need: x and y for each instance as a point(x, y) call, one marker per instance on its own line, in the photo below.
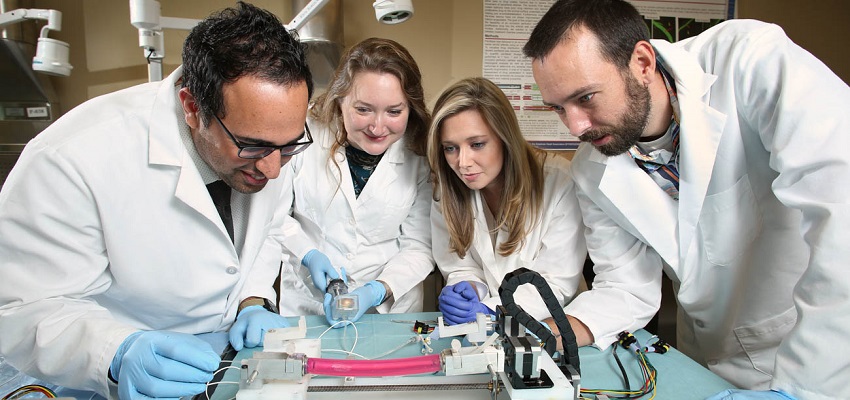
point(617, 25)
point(240, 41)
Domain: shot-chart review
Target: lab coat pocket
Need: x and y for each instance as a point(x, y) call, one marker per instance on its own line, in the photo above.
point(729, 222)
point(307, 197)
point(386, 220)
point(387, 226)
point(761, 340)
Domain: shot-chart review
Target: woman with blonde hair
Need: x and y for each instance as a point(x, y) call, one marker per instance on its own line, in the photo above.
point(499, 205)
point(360, 196)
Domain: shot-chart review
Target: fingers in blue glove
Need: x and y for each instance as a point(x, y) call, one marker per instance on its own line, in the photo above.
point(455, 308)
point(320, 268)
point(449, 291)
point(458, 303)
point(328, 303)
point(466, 290)
point(454, 319)
point(163, 364)
point(369, 295)
point(251, 326)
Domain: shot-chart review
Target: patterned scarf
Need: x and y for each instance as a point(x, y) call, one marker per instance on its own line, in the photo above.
point(663, 165)
point(362, 165)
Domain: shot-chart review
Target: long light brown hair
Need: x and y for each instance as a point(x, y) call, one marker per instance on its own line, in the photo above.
point(381, 56)
point(519, 207)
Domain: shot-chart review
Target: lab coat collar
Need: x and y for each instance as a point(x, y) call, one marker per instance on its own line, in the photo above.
point(481, 240)
point(385, 174)
point(167, 148)
point(381, 178)
point(702, 128)
point(685, 70)
point(637, 197)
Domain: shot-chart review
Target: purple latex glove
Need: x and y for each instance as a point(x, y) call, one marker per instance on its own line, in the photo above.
point(459, 303)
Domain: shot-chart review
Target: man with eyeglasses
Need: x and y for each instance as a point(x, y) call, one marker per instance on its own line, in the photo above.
point(143, 217)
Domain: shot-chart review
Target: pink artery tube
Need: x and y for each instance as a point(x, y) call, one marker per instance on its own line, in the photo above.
point(396, 367)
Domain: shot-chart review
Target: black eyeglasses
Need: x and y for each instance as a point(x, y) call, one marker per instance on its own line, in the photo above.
point(253, 152)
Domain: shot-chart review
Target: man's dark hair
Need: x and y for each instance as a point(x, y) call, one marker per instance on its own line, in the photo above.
point(240, 41)
point(616, 23)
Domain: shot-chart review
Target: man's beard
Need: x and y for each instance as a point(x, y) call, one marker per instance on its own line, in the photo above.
point(632, 124)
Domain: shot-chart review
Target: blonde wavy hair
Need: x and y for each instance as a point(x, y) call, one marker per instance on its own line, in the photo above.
point(519, 207)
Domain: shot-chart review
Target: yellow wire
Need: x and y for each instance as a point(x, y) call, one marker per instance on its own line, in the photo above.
point(25, 390)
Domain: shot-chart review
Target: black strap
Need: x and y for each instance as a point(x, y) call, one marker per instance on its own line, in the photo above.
point(510, 283)
point(220, 194)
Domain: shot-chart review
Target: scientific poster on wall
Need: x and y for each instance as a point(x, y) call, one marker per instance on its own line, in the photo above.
point(508, 24)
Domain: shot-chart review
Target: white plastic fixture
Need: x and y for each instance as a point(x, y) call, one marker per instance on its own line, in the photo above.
point(51, 55)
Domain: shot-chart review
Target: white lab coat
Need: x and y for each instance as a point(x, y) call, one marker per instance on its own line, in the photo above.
point(757, 244)
point(106, 228)
point(383, 234)
point(554, 248)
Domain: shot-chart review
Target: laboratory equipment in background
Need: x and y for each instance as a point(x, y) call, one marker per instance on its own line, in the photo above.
point(323, 34)
point(51, 55)
point(393, 11)
point(146, 16)
point(28, 102)
point(319, 24)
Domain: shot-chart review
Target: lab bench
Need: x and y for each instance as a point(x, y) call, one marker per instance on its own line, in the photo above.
point(678, 377)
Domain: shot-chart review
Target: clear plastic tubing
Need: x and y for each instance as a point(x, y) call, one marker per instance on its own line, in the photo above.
point(395, 367)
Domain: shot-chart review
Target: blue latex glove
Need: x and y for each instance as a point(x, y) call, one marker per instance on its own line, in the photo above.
point(163, 364)
point(320, 268)
point(251, 326)
point(738, 394)
point(369, 295)
point(459, 303)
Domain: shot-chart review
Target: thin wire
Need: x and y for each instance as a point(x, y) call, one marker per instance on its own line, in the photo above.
point(351, 353)
point(413, 339)
point(227, 367)
point(345, 330)
point(27, 389)
point(648, 372)
point(622, 369)
point(356, 335)
point(207, 389)
point(222, 382)
point(332, 326)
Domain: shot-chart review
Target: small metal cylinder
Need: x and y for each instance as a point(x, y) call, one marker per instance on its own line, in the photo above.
point(337, 287)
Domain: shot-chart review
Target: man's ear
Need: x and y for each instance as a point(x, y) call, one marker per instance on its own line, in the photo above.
point(642, 63)
point(190, 108)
